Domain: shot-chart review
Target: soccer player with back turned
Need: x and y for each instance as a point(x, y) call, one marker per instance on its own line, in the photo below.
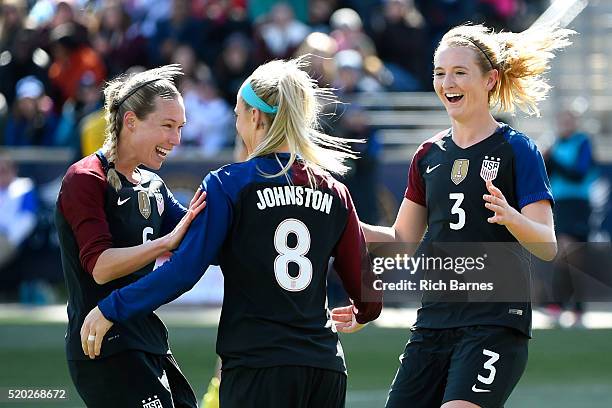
point(272, 223)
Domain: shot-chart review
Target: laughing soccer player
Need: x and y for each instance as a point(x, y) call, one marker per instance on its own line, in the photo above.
point(114, 219)
point(478, 181)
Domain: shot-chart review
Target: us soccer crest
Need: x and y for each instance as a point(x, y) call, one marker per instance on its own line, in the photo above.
point(144, 204)
point(490, 166)
point(460, 170)
point(159, 199)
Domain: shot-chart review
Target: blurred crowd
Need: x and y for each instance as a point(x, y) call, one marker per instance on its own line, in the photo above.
point(56, 55)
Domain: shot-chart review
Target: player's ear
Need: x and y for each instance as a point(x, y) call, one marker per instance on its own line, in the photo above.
point(255, 117)
point(129, 120)
point(493, 77)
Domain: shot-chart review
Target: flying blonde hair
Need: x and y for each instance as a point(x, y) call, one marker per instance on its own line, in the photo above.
point(285, 85)
point(522, 60)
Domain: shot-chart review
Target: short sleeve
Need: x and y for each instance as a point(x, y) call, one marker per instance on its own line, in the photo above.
point(81, 202)
point(531, 180)
point(415, 191)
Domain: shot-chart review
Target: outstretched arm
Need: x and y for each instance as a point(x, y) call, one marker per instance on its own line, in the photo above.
point(115, 263)
point(195, 253)
point(409, 225)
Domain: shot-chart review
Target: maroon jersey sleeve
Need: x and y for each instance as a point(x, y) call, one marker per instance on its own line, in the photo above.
point(81, 201)
point(415, 191)
point(353, 265)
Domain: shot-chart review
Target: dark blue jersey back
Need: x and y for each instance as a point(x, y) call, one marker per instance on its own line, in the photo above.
point(273, 238)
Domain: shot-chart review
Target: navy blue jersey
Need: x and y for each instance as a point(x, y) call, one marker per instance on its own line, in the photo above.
point(450, 182)
point(273, 238)
point(92, 217)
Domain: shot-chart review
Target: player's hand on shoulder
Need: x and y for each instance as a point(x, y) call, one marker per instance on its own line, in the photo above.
point(344, 319)
point(197, 204)
point(95, 326)
point(495, 201)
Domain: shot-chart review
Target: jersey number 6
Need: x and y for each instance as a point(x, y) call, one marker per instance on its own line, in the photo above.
point(287, 255)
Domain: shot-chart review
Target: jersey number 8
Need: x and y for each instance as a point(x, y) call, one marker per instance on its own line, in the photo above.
point(287, 255)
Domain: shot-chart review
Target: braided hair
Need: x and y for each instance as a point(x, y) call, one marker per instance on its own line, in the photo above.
point(137, 93)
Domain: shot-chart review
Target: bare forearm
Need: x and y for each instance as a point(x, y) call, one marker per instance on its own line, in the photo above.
point(538, 238)
point(115, 263)
point(377, 233)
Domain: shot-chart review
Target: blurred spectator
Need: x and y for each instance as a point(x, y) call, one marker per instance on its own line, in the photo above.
point(501, 14)
point(281, 35)
point(71, 59)
point(18, 207)
point(119, 43)
point(19, 54)
point(362, 179)
point(260, 8)
point(220, 19)
point(88, 100)
point(351, 77)
point(209, 124)
point(571, 168)
point(320, 49)
point(233, 66)
point(347, 30)
point(92, 134)
point(11, 23)
point(32, 120)
point(176, 29)
point(56, 14)
point(400, 38)
point(440, 16)
point(147, 13)
point(319, 13)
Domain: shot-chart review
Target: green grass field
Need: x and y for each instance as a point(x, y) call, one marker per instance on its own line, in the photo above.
point(566, 368)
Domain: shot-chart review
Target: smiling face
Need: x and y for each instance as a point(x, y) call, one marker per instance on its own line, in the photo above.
point(153, 138)
point(460, 83)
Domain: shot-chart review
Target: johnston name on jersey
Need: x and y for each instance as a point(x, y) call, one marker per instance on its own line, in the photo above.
point(273, 238)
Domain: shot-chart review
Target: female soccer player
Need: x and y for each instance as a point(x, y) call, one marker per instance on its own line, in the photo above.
point(114, 219)
point(272, 223)
point(465, 355)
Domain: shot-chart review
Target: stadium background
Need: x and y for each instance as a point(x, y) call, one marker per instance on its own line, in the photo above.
point(388, 100)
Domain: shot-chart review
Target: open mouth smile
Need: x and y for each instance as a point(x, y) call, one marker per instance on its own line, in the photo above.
point(453, 97)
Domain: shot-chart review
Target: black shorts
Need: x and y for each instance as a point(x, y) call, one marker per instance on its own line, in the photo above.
point(132, 379)
point(281, 387)
point(479, 364)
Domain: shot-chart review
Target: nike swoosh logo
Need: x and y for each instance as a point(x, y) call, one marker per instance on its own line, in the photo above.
point(430, 169)
point(121, 202)
point(475, 389)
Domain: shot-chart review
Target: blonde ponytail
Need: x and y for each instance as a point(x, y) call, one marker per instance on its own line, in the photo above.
point(296, 123)
point(522, 60)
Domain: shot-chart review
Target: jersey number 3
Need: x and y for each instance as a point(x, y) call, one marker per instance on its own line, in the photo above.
point(456, 209)
point(296, 254)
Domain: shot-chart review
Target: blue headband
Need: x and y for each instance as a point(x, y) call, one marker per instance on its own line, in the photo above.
point(250, 97)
